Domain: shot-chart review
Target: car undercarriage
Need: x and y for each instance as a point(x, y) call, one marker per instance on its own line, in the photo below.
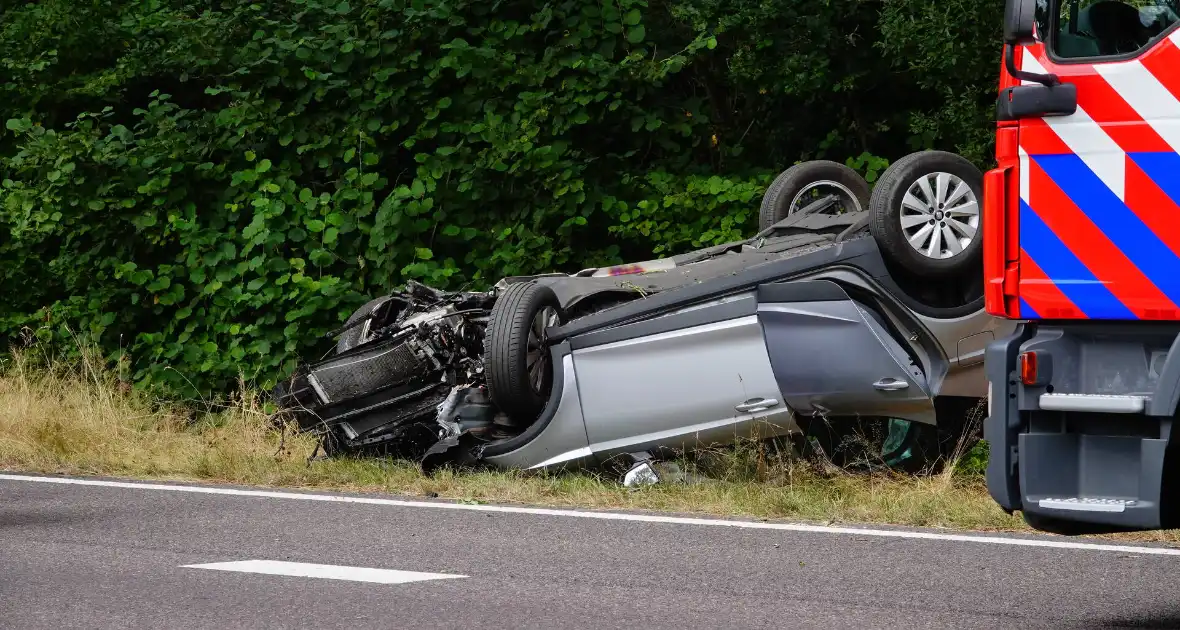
point(463, 377)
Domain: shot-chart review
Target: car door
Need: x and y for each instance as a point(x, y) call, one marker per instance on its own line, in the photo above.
point(687, 379)
point(832, 356)
point(1100, 188)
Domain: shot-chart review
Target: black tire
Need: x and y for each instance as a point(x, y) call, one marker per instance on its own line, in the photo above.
point(885, 207)
point(351, 338)
point(516, 389)
point(777, 202)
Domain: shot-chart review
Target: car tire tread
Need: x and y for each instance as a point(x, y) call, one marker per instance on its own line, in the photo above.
point(506, 348)
point(788, 183)
point(349, 338)
point(885, 205)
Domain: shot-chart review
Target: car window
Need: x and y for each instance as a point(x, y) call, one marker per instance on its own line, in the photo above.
point(1105, 28)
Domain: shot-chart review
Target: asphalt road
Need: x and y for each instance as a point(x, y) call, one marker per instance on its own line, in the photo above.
point(74, 556)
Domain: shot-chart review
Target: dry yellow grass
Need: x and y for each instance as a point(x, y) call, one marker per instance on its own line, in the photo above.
point(79, 421)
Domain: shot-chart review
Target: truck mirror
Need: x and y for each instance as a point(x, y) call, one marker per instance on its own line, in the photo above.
point(1019, 17)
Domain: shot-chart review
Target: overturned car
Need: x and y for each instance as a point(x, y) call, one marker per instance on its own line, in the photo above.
point(853, 308)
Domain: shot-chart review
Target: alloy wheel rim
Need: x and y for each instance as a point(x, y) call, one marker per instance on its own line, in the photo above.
point(939, 215)
point(847, 199)
point(536, 359)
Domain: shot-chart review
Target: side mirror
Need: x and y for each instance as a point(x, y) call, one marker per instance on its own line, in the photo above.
point(1036, 101)
point(1019, 18)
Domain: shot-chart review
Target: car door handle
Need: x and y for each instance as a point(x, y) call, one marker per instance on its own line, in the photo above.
point(758, 404)
point(890, 384)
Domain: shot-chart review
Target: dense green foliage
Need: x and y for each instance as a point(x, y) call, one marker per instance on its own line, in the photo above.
point(209, 187)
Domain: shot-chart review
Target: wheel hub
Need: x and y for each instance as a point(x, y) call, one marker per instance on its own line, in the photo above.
point(537, 359)
point(940, 215)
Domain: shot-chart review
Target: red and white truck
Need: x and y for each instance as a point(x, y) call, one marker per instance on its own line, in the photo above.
point(1081, 231)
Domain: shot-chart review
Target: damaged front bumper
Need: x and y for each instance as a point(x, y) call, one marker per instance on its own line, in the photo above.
point(408, 382)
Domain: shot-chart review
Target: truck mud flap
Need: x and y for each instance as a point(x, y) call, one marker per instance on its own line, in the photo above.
point(1001, 428)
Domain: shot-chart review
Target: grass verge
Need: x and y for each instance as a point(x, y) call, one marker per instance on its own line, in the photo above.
point(71, 419)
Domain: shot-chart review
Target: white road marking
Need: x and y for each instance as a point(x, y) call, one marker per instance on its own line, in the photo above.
point(606, 516)
point(324, 571)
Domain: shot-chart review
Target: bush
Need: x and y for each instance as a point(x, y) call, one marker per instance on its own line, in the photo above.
point(209, 187)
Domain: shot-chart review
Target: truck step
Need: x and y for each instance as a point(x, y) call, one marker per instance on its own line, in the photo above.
point(1093, 403)
point(1086, 504)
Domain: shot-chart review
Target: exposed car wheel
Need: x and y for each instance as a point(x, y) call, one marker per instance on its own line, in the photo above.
point(805, 183)
point(517, 365)
point(353, 337)
point(926, 213)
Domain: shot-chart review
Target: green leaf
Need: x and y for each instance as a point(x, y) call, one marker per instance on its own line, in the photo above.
point(423, 252)
point(451, 230)
point(632, 17)
point(636, 34)
point(315, 225)
point(263, 166)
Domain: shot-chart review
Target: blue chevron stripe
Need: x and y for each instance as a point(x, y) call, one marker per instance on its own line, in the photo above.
point(1066, 271)
point(1163, 169)
point(1154, 259)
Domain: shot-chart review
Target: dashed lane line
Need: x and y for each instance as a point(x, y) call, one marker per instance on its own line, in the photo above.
point(324, 571)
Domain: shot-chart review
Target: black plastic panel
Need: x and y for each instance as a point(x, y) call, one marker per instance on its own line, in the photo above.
point(801, 291)
point(861, 253)
point(667, 323)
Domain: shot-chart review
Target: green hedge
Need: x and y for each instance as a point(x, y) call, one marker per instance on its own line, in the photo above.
point(206, 188)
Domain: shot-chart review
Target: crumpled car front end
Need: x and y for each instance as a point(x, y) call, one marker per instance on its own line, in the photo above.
point(404, 377)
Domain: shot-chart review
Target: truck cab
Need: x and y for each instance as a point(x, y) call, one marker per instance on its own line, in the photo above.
point(1081, 231)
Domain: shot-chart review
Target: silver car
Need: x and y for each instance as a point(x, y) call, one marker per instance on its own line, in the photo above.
point(812, 322)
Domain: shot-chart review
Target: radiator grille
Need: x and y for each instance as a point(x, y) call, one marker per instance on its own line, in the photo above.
point(365, 372)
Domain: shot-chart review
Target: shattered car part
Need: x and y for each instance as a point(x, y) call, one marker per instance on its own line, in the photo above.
point(742, 340)
point(414, 361)
point(641, 474)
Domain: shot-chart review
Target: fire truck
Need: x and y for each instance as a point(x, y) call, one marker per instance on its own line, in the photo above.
point(1081, 246)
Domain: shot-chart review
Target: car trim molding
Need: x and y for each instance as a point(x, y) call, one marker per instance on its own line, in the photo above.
point(706, 314)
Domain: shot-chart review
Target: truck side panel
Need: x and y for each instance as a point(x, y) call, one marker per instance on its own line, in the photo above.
point(1099, 192)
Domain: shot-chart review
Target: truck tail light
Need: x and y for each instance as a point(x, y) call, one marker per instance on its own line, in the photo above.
point(1028, 368)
